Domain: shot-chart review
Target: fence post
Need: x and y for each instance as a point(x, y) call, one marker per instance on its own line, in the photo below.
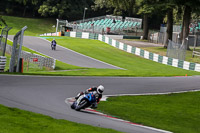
point(3, 42)
point(195, 44)
point(158, 36)
point(16, 52)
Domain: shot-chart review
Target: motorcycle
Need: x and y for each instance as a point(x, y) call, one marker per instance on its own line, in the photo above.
point(84, 101)
point(53, 47)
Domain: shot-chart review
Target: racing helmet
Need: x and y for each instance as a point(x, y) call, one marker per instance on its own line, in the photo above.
point(100, 89)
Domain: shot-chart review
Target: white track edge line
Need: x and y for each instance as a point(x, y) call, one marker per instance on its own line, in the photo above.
point(145, 94)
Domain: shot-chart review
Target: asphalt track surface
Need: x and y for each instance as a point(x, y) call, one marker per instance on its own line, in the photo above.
point(63, 54)
point(46, 95)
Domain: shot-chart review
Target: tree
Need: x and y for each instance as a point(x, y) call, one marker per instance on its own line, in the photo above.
point(53, 8)
point(169, 27)
point(119, 7)
point(27, 4)
point(147, 8)
point(168, 6)
point(188, 7)
point(2, 20)
point(64, 9)
point(186, 22)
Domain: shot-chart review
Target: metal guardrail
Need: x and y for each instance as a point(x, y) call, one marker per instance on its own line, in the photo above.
point(2, 63)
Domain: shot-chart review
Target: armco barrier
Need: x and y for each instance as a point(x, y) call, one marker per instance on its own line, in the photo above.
point(137, 51)
point(2, 63)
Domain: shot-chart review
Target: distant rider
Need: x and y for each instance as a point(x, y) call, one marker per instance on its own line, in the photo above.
point(53, 44)
point(97, 91)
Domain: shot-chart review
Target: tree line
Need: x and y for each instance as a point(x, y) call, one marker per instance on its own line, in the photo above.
point(153, 12)
point(65, 9)
point(172, 11)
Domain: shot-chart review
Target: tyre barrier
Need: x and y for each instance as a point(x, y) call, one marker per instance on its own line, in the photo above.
point(2, 63)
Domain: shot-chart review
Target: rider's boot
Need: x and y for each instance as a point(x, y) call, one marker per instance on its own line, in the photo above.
point(94, 105)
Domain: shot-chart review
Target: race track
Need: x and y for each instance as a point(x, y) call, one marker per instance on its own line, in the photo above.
point(46, 95)
point(63, 54)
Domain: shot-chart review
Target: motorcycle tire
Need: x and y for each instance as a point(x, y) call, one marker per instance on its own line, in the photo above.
point(81, 105)
point(73, 106)
point(53, 47)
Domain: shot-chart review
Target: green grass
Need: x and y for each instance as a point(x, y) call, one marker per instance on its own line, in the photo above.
point(35, 26)
point(179, 113)
point(63, 66)
point(163, 51)
point(14, 120)
point(134, 65)
point(1, 53)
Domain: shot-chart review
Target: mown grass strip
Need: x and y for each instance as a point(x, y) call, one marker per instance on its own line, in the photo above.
point(136, 66)
point(179, 113)
point(14, 120)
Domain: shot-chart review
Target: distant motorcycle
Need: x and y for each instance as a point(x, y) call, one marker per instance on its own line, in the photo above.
point(53, 47)
point(84, 101)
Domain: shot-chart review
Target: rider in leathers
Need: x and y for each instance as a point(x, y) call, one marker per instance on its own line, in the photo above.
point(97, 91)
point(53, 43)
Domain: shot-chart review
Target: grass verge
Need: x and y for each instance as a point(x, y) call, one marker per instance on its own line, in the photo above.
point(35, 26)
point(134, 65)
point(163, 51)
point(179, 113)
point(20, 121)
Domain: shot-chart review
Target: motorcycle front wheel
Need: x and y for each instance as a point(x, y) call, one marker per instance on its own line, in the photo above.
point(73, 106)
point(81, 105)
